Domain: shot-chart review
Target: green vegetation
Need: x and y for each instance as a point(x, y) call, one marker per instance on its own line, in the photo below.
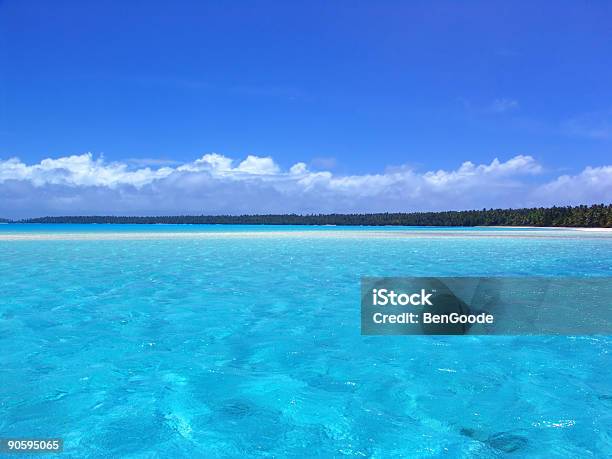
point(580, 216)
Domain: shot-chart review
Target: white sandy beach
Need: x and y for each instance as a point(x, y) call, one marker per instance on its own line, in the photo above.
point(595, 230)
point(335, 234)
point(552, 228)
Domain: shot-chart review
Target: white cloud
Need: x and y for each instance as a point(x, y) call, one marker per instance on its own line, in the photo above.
point(221, 165)
point(211, 162)
point(470, 173)
point(260, 166)
point(593, 184)
point(79, 170)
point(213, 184)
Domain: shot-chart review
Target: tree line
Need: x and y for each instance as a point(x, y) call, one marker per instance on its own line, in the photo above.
point(599, 215)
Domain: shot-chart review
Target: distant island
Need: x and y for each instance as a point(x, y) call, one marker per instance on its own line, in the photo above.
point(599, 215)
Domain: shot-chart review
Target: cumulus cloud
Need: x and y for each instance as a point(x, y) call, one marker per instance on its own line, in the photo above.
point(222, 165)
point(215, 184)
point(580, 188)
point(81, 170)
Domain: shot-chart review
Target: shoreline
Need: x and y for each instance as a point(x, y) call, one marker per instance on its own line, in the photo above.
point(575, 228)
point(480, 227)
point(553, 233)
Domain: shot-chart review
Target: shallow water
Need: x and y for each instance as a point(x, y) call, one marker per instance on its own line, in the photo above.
point(233, 346)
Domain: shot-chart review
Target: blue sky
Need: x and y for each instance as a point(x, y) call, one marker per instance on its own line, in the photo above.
point(352, 88)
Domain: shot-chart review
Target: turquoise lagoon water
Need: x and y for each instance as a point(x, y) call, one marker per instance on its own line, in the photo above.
point(241, 345)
